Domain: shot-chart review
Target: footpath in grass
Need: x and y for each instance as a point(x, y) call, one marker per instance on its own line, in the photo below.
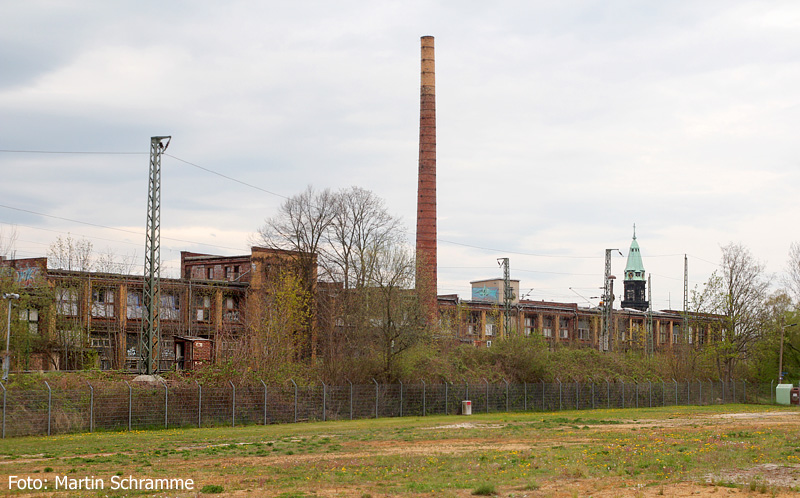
point(630, 452)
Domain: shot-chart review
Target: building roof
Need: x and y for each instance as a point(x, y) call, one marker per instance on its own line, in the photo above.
point(634, 270)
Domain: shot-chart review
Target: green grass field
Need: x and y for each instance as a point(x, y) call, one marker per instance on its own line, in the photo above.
point(631, 452)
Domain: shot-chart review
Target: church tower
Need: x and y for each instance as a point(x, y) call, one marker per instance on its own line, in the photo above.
point(635, 282)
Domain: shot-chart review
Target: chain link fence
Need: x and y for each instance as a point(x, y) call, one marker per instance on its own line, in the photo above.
point(113, 406)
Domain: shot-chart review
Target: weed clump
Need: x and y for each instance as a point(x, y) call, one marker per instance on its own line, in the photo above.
point(485, 490)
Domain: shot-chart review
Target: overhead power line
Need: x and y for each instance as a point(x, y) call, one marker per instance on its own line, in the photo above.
point(79, 152)
point(96, 225)
point(208, 170)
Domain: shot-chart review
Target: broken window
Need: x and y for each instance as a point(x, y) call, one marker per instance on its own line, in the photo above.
point(530, 324)
point(583, 329)
point(232, 309)
point(102, 302)
point(170, 309)
point(547, 329)
point(134, 304)
point(67, 301)
point(563, 328)
point(31, 318)
point(473, 322)
point(491, 326)
point(202, 308)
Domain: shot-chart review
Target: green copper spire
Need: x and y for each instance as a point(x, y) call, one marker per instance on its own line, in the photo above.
point(635, 269)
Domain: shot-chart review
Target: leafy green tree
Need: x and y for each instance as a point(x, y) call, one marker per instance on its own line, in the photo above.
point(737, 294)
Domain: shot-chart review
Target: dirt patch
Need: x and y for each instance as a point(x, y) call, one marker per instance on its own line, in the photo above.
point(469, 425)
point(757, 415)
point(768, 474)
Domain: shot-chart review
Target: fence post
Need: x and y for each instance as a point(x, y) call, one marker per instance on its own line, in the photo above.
point(543, 394)
point(623, 392)
point(722, 382)
point(663, 394)
point(166, 404)
point(376, 397)
point(91, 407)
point(265, 400)
point(560, 405)
point(445, 397)
point(771, 392)
point(199, 404)
point(700, 399)
point(424, 400)
point(744, 391)
point(130, 404)
point(591, 380)
point(324, 400)
point(608, 394)
point(487, 395)
point(525, 396)
point(688, 392)
point(733, 389)
point(351, 398)
point(637, 392)
point(650, 391)
point(504, 380)
point(233, 404)
point(4, 409)
point(295, 399)
point(401, 398)
point(49, 405)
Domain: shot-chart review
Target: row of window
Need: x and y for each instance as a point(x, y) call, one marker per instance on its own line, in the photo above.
point(232, 272)
point(583, 331)
point(102, 305)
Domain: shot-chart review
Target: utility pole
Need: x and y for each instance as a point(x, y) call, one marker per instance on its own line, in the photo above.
point(508, 295)
point(151, 329)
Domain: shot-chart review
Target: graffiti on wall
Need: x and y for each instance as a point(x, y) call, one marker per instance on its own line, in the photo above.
point(26, 277)
point(485, 293)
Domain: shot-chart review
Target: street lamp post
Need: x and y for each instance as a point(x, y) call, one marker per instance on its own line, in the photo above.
point(7, 358)
point(780, 356)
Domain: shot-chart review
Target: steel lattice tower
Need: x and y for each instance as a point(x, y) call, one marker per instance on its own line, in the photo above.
point(508, 295)
point(608, 303)
point(685, 297)
point(151, 330)
point(649, 329)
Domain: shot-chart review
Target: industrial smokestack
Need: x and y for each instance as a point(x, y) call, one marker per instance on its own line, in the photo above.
point(426, 188)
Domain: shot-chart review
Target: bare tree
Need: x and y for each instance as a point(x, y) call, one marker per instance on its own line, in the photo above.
point(300, 226)
point(351, 241)
point(8, 239)
point(360, 227)
point(110, 262)
point(67, 253)
point(792, 277)
point(737, 294)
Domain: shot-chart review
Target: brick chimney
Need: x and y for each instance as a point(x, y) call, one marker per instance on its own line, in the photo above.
point(426, 188)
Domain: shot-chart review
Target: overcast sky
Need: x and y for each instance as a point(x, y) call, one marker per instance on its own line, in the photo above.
point(560, 125)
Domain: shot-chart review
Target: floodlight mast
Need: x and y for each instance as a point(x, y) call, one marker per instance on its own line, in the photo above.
point(151, 326)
